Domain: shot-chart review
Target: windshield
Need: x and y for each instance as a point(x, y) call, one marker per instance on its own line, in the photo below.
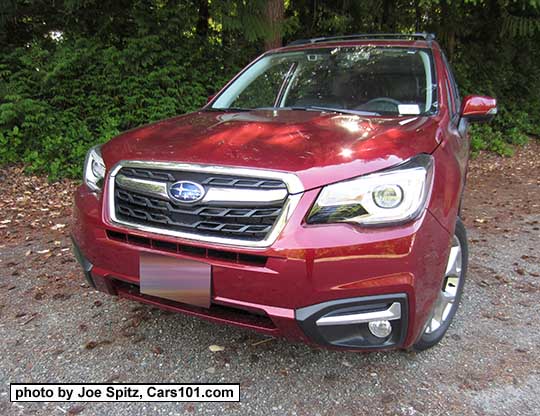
point(368, 79)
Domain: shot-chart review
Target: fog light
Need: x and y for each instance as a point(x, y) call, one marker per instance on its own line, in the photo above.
point(381, 329)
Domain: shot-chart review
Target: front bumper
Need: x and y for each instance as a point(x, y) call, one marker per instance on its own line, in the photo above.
point(283, 290)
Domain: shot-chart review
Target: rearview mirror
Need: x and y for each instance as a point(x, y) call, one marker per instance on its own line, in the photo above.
point(479, 109)
point(210, 98)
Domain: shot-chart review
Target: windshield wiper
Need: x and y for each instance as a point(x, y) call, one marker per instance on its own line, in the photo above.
point(327, 109)
point(299, 108)
point(337, 110)
point(228, 109)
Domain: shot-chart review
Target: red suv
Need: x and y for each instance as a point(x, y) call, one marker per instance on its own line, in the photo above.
point(315, 197)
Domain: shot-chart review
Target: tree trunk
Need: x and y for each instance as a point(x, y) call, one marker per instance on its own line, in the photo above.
point(388, 18)
point(417, 16)
point(313, 16)
point(202, 21)
point(447, 28)
point(275, 11)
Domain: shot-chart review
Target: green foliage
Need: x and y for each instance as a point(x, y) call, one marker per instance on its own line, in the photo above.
point(507, 69)
point(77, 72)
point(62, 100)
point(484, 137)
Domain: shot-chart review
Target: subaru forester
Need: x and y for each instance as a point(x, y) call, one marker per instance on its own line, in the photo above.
point(315, 197)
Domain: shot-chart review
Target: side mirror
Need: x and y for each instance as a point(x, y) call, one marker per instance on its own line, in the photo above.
point(479, 109)
point(210, 98)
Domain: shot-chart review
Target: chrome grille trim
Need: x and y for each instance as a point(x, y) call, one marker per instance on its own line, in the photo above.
point(293, 183)
point(147, 187)
point(247, 195)
point(213, 194)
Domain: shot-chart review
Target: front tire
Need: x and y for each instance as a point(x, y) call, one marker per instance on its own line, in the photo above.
point(447, 303)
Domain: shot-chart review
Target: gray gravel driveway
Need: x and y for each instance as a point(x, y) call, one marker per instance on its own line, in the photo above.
point(53, 328)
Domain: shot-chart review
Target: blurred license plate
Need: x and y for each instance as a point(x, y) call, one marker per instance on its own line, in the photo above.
point(181, 280)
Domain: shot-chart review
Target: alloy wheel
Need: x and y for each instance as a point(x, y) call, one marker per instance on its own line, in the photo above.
point(448, 293)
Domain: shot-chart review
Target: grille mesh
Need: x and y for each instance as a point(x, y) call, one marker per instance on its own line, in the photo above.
point(247, 222)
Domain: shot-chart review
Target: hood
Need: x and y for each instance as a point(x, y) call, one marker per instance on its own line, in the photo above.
point(320, 148)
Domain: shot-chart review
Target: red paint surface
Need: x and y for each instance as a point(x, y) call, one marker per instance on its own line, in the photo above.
point(477, 105)
point(318, 147)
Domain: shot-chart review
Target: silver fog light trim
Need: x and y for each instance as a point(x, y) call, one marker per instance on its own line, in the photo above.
point(390, 314)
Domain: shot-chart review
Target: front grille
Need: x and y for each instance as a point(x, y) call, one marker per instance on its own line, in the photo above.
point(204, 179)
point(242, 221)
point(255, 319)
point(188, 250)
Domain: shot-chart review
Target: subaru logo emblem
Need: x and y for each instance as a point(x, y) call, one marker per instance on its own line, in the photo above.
point(187, 192)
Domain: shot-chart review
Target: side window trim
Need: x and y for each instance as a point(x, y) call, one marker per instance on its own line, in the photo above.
point(452, 89)
point(451, 103)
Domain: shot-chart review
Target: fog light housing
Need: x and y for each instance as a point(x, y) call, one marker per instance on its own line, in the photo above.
point(355, 323)
point(381, 329)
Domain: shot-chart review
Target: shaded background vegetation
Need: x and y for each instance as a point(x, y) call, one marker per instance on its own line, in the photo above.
point(76, 72)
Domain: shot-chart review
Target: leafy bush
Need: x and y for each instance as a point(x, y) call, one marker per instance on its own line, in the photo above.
point(118, 65)
point(517, 90)
point(60, 99)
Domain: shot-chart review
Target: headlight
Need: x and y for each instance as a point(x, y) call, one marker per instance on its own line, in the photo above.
point(391, 196)
point(94, 169)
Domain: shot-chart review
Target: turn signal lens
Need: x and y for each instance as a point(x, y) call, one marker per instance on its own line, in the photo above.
point(98, 169)
point(94, 169)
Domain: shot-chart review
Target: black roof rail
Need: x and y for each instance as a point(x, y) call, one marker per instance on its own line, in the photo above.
point(374, 36)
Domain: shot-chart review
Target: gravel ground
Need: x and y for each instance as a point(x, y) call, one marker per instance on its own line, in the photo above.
point(55, 329)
